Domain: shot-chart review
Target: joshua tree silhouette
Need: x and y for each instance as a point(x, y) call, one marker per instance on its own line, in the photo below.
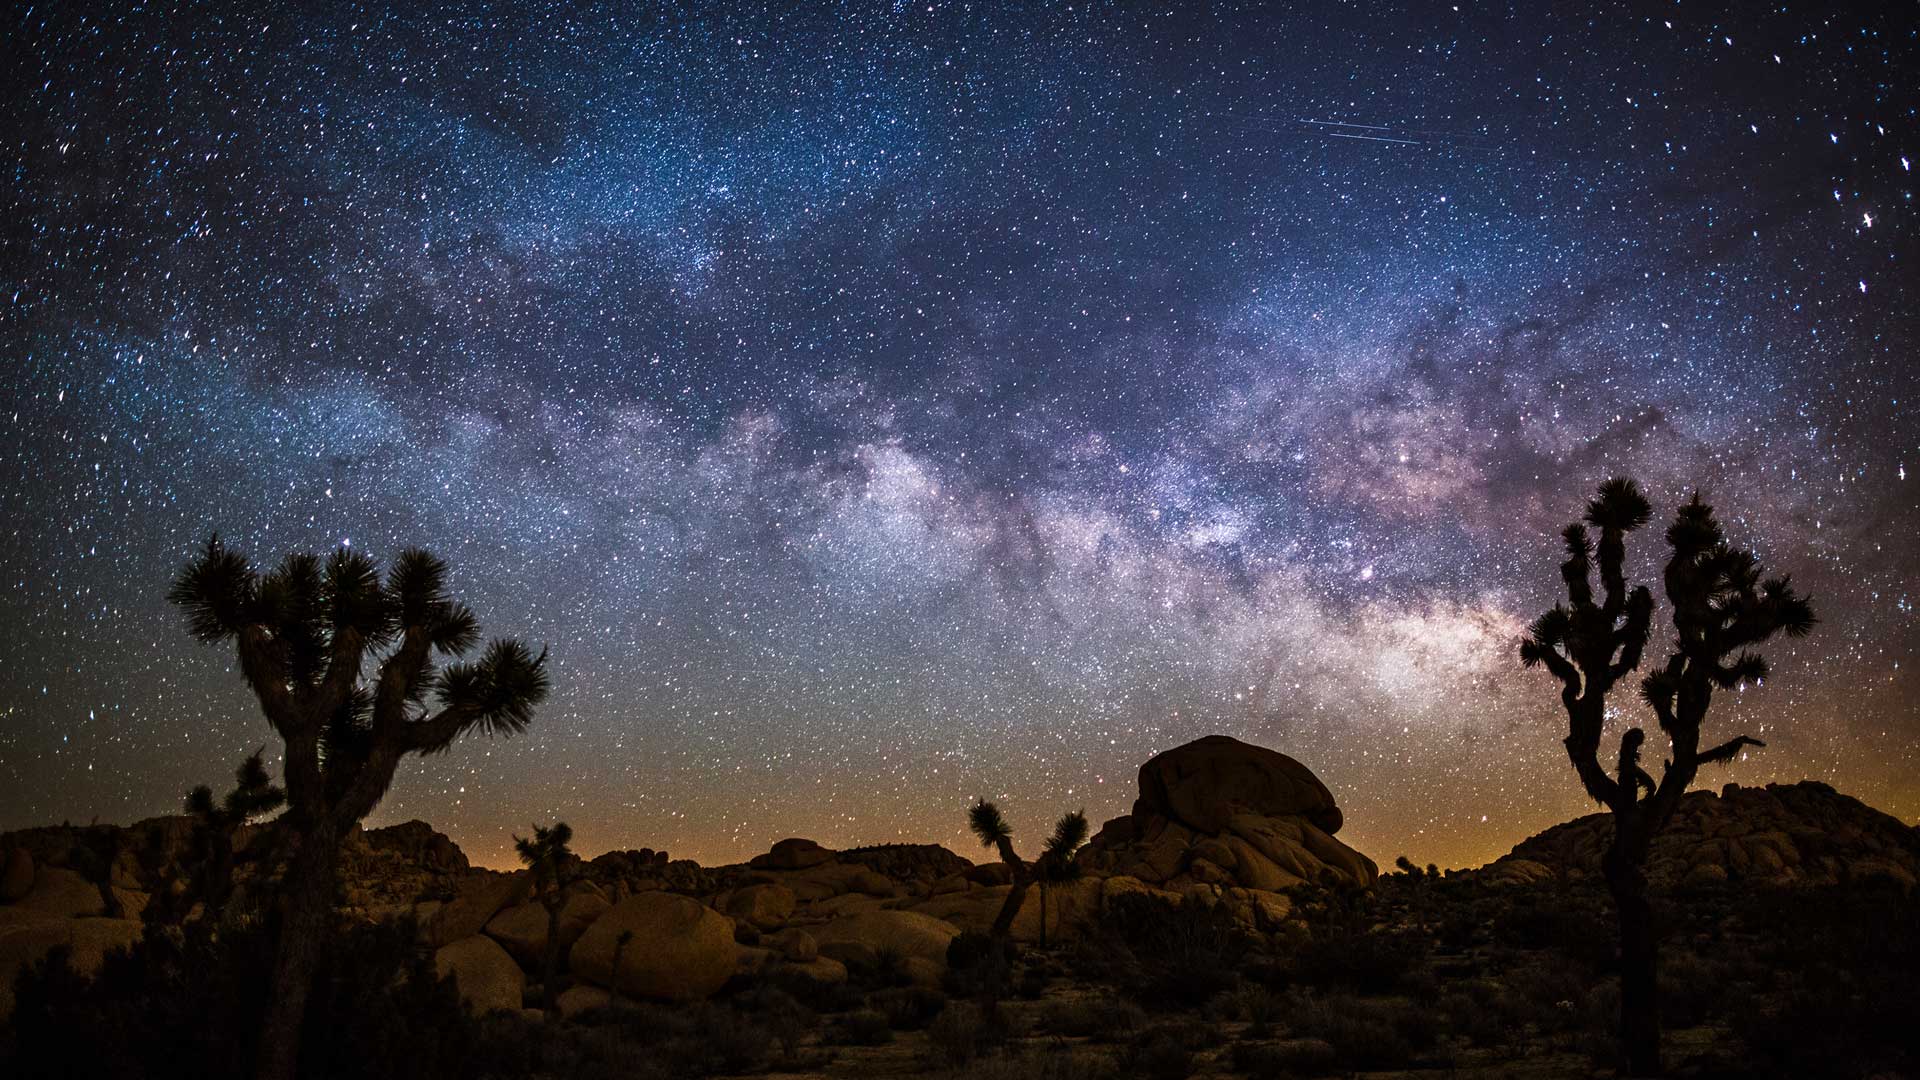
point(341, 663)
point(211, 876)
point(1721, 606)
point(1054, 865)
point(552, 862)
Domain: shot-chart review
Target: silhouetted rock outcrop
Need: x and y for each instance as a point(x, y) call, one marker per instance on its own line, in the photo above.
point(1782, 834)
point(1218, 812)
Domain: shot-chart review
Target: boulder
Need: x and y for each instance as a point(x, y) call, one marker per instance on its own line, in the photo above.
point(522, 928)
point(795, 945)
point(1204, 783)
point(793, 853)
point(820, 972)
point(486, 976)
point(902, 933)
point(580, 997)
point(681, 950)
point(1219, 813)
point(476, 900)
point(843, 905)
point(16, 877)
point(1518, 872)
point(765, 906)
point(61, 893)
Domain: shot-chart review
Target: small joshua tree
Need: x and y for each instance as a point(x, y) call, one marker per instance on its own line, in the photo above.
point(341, 663)
point(991, 827)
point(211, 877)
point(547, 855)
point(1055, 863)
point(1721, 607)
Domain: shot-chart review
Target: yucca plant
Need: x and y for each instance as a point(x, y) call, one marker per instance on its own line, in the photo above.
point(254, 794)
point(341, 660)
point(1054, 865)
point(1721, 608)
point(547, 855)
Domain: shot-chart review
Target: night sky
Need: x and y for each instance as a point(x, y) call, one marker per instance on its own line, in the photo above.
point(879, 407)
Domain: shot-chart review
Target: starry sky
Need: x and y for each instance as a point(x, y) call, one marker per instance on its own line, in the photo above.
point(878, 406)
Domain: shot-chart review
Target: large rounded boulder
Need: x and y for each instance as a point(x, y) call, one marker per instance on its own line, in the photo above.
point(870, 934)
point(1204, 784)
point(1221, 814)
point(485, 975)
point(680, 949)
point(522, 928)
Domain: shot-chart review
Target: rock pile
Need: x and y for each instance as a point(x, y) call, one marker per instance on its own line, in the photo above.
point(1219, 812)
point(1782, 834)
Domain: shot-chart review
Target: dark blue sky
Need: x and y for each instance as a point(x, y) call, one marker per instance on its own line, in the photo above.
point(876, 407)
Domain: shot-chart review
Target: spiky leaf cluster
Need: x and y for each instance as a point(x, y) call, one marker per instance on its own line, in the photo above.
point(987, 824)
point(342, 659)
point(1069, 834)
point(547, 853)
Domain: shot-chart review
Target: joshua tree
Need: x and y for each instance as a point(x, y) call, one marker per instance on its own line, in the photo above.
point(211, 883)
point(991, 827)
point(341, 663)
point(1721, 606)
point(547, 855)
point(1055, 864)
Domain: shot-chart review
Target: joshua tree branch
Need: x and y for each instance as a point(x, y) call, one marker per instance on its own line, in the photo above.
point(266, 672)
point(1727, 751)
point(343, 673)
point(398, 675)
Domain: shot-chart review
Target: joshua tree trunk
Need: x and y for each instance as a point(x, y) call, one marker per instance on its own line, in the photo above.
point(1639, 1002)
point(550, 965)
point(305, 921)
point(1043, 914)
point(1020, 876)
point(1721, 606)
point(1003, 922)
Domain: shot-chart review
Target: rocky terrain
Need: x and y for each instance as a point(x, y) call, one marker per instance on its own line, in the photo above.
point(1223, 904)
point(1218, 822)
point(1783, 834)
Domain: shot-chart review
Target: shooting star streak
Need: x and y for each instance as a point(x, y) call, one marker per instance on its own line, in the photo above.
point(1376, 138)
point(1340, 123)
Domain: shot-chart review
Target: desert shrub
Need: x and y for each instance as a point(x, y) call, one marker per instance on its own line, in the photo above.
point(1846, 997)
point(1480, 1013)
point(979, 966)
point(785, 1019)
point(908, 1008)
point(698, 1040)
point(964, 1030)
point(1035, 1063)
point(1288, 1058)
point(1371, 962)
point(1164, 1051)
point(862, 1027)
point(185, 1002)
point(821, 998)
point(1171, 955)
point(1365, 1033)
point(1569, 924)
point(1098, 1019)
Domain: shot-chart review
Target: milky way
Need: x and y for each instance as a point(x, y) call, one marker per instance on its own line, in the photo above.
point(879, 407)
